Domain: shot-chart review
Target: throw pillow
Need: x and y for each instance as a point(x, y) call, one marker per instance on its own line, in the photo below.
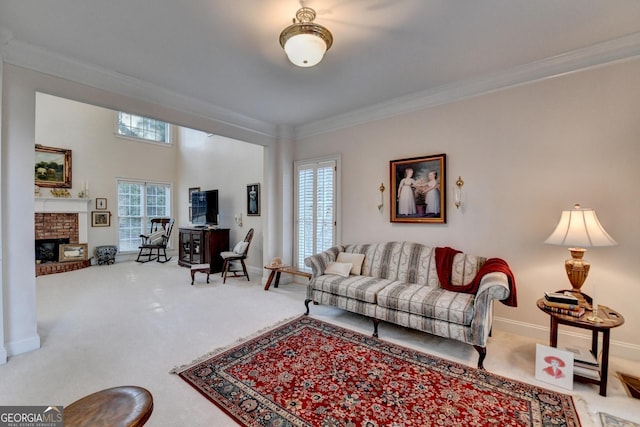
point(240, 247)
point(155, 238)
point(355, 259)
point(339, 268)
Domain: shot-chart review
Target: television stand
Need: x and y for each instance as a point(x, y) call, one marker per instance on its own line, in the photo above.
point(201, 245)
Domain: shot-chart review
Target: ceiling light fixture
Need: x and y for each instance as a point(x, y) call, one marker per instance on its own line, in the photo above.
point(304, 41)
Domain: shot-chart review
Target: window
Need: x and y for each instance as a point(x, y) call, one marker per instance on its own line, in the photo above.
point(133, 126)
point(138, 202)
point(315, 208)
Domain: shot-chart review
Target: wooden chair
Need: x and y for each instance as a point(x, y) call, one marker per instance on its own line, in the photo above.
point(236, 255)
point(155, 243)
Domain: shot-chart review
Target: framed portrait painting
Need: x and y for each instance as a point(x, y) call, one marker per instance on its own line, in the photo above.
point(418, 190)
point(52, 167)
point(253, 200)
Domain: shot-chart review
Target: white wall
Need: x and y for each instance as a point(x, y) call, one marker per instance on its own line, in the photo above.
point(228, 165)
point(525, 154)
point(99, 156)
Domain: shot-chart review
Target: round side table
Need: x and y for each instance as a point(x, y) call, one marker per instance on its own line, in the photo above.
point(610, 319)
point(126, 406)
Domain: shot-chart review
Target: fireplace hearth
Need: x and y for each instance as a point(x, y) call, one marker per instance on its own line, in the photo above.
point(60, 221)
point(47, 250)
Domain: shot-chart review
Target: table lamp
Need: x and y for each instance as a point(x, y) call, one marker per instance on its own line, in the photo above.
point(579, 229)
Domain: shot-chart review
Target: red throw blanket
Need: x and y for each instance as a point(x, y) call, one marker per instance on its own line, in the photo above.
point(444, 262)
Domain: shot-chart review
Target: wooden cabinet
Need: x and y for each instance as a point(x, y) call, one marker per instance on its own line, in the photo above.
point(202, 246)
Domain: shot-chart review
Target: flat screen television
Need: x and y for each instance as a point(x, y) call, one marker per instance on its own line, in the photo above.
point(204, 207)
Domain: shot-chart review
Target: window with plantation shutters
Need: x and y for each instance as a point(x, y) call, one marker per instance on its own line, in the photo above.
point(315, 208)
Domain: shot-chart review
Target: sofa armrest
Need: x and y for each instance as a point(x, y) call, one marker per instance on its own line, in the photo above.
point(493, 286)
point(319, 262)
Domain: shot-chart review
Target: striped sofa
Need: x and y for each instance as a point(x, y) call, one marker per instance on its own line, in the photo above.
point(399, 284)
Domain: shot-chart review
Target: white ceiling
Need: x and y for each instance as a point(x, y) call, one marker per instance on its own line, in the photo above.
point(226, 53)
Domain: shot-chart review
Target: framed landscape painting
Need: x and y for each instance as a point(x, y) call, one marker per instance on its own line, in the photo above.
point(418, 190)
point(52, 167)
point(72, 252)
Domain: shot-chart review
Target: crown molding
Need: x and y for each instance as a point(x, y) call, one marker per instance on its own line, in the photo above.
point(29, 56)
point(601, 54)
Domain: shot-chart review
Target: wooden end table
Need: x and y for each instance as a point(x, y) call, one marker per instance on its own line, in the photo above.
point(611, 319)
point(127, 406)
point(277, 270)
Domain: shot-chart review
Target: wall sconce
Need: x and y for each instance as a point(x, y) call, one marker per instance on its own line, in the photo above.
point(380, 202)
point(238, 219)
point(458, 192)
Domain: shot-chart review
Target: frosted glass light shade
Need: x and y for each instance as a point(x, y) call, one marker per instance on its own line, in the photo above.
point(305, 50)
point(304, 41)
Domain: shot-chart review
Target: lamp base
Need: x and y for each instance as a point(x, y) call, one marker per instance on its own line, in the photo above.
point(577, 268)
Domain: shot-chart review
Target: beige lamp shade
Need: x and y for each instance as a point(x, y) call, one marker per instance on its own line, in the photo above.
point(580, 228)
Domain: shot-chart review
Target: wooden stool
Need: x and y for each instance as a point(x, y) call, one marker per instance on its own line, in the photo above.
point(200, 268)
point(127, 406)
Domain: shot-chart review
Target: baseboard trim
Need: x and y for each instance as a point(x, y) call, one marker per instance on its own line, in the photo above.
point(25, 345)
point(3, 355)
point(566, 335)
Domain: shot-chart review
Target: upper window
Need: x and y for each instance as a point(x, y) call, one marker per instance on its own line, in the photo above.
point(140, 127)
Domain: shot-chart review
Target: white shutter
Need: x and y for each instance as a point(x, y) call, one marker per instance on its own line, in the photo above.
point(315, 209)
point(325, 206)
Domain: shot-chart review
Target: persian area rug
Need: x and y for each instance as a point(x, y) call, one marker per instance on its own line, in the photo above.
point(310, 373)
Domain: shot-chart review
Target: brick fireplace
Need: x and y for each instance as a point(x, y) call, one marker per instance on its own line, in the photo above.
point(59, 220)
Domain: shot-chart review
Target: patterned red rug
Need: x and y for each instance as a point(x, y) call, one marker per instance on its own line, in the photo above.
point(311, 373)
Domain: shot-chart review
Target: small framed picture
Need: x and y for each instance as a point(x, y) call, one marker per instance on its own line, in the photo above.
point(100, 219)
point(253, 200)
point(554, 366)
point(101, 203)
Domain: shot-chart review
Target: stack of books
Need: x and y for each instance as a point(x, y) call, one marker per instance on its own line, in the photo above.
point(584, 363)
point(563, 303)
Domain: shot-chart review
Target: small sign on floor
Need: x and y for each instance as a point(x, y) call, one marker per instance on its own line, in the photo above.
point(554, 366)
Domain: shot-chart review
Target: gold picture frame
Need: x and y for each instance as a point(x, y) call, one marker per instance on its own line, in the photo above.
point(72, 252)
point(52, 167)
point(100, 218)
point(418, 190)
